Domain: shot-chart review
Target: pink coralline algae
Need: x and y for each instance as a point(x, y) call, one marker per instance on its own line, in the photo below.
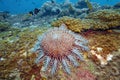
point(60, 46)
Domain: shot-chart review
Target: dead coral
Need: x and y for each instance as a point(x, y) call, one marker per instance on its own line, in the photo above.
point(71, 23)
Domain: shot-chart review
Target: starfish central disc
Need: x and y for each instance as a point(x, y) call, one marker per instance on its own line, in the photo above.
point(57, 43)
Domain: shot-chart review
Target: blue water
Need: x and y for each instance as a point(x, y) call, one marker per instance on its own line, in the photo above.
point(24, 6)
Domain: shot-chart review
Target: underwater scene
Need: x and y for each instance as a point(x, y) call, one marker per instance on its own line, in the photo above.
point(59, 39)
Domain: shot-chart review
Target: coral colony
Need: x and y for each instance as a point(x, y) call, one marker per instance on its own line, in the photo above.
point(60, 46)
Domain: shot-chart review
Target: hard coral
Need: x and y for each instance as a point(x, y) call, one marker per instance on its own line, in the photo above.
point(71, 23)
point(103, 19)
point(99, 20)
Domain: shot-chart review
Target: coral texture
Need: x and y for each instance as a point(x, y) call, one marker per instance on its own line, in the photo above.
point(71, 23)
point(102, 44)
point(112, 70)
point(103, 19)
point(60, 45)
point(99, 20)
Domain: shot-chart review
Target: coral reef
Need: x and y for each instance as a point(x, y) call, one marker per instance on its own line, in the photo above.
point(58, 46)
point(4, 15)
point(111, 70)
point(16, 60)
point(102, 44)
point(103, 19)
point(71, 23)
point(80, 73)
point(50, 8)
point(48, 11)
point(81, 4)
point(99, 20)
point(4, 26)
point(95, 45)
